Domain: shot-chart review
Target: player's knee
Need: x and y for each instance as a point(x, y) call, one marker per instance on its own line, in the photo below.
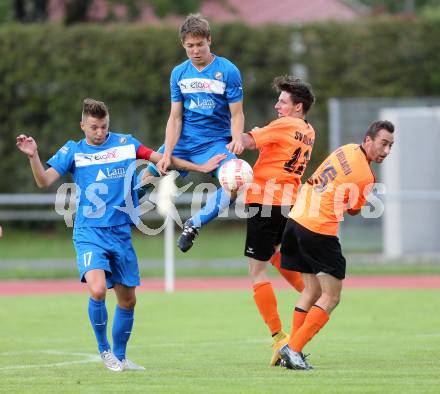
point(257, 270)
point(332, 300)
point(312, 293)
point(336, 299)
point(128, 303)
point(98, 292)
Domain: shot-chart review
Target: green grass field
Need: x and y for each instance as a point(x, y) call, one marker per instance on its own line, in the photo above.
point(24, 253)
point(215, 242)
point(376, 342)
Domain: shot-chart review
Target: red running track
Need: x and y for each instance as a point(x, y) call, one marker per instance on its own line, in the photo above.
point(204, 284)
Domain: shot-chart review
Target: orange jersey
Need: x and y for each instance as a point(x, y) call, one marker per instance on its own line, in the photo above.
point(341, 182)
point(285, 147)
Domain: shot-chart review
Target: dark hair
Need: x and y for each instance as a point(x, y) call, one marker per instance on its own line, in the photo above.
point(196, 25)
point(300, 92)
point(94, 108)
point(374, 128)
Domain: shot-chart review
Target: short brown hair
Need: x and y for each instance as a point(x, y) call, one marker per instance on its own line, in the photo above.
point(94, 108)
point(374, 128)
point(300, 92)
point(195, 25)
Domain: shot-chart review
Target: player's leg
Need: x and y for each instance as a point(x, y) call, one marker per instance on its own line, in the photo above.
point(125, 277)
point(319, 314)
point(310, 294)
point(218, 202)
point(123, 319)
point(293, 260)
point(261, 235)
point(293, 277)
point(123, 324)
point(264, 295)
point(97, 309)
point(93, 268)
point(266, 302)
point(323, 257)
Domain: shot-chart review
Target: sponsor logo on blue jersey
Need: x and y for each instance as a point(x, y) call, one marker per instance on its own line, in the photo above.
point(201, 85)
point(111, 155)
point(205, 103)
point(110, 173)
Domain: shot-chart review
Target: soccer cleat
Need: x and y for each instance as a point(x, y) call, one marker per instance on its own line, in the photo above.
point(186, 239)
point(293, 360)
point(277, 345)
point(304, 357)
point(111, 362)
point(129, 365)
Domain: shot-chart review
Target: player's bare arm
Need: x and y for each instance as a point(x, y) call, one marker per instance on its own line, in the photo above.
point(43, 178)
point(206, 167)
point(248, 141)
point(237, 127)
point(172, 134)
point(186, 165)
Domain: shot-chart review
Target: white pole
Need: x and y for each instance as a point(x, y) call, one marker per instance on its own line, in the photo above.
point(169, 254)
point(165, 204)
point(334, 110)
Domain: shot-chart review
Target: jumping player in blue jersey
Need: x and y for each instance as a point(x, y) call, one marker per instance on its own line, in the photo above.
point(206, 116)
point(100, 164)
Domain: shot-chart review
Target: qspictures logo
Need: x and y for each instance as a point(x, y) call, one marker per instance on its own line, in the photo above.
point(68, 194)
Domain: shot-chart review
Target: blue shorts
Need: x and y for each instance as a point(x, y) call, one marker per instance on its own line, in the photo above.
point(198, 156)
point(109, 249)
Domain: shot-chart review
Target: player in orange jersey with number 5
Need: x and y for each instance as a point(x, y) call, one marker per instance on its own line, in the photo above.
point(310, 244)
point(285, 147)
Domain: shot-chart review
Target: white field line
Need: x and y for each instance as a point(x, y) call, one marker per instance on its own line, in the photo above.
point(86, 358)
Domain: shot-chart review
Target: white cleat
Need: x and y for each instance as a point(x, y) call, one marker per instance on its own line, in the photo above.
point(293, 360)
point(111, 362)
point(129, 365)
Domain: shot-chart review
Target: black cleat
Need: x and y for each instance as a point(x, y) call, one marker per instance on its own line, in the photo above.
point(186, 239)
point(280, 363)
point(293, 360)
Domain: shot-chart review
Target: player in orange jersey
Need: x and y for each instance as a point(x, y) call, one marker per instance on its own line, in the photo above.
point(310, 244)
point(285, 147)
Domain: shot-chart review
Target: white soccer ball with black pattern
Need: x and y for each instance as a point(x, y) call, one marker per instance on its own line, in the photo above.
point(235, 174)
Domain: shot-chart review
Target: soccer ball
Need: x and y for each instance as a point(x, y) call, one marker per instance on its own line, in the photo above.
point(235, 174)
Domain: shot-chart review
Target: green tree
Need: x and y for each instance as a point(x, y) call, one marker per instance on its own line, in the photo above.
point(76, 11)
point(183, 7)
point(6, 11)
point(30, 10)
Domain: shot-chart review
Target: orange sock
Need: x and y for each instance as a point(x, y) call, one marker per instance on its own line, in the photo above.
point(299, 315)
point(293, 277)
point(315, 320)
point(266, 302)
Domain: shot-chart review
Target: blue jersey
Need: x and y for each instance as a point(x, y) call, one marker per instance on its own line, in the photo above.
point(100, 173)
point(206, 96)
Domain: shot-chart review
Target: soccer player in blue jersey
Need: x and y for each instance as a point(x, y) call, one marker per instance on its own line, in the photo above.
point(206, 116)
point(99, 164)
